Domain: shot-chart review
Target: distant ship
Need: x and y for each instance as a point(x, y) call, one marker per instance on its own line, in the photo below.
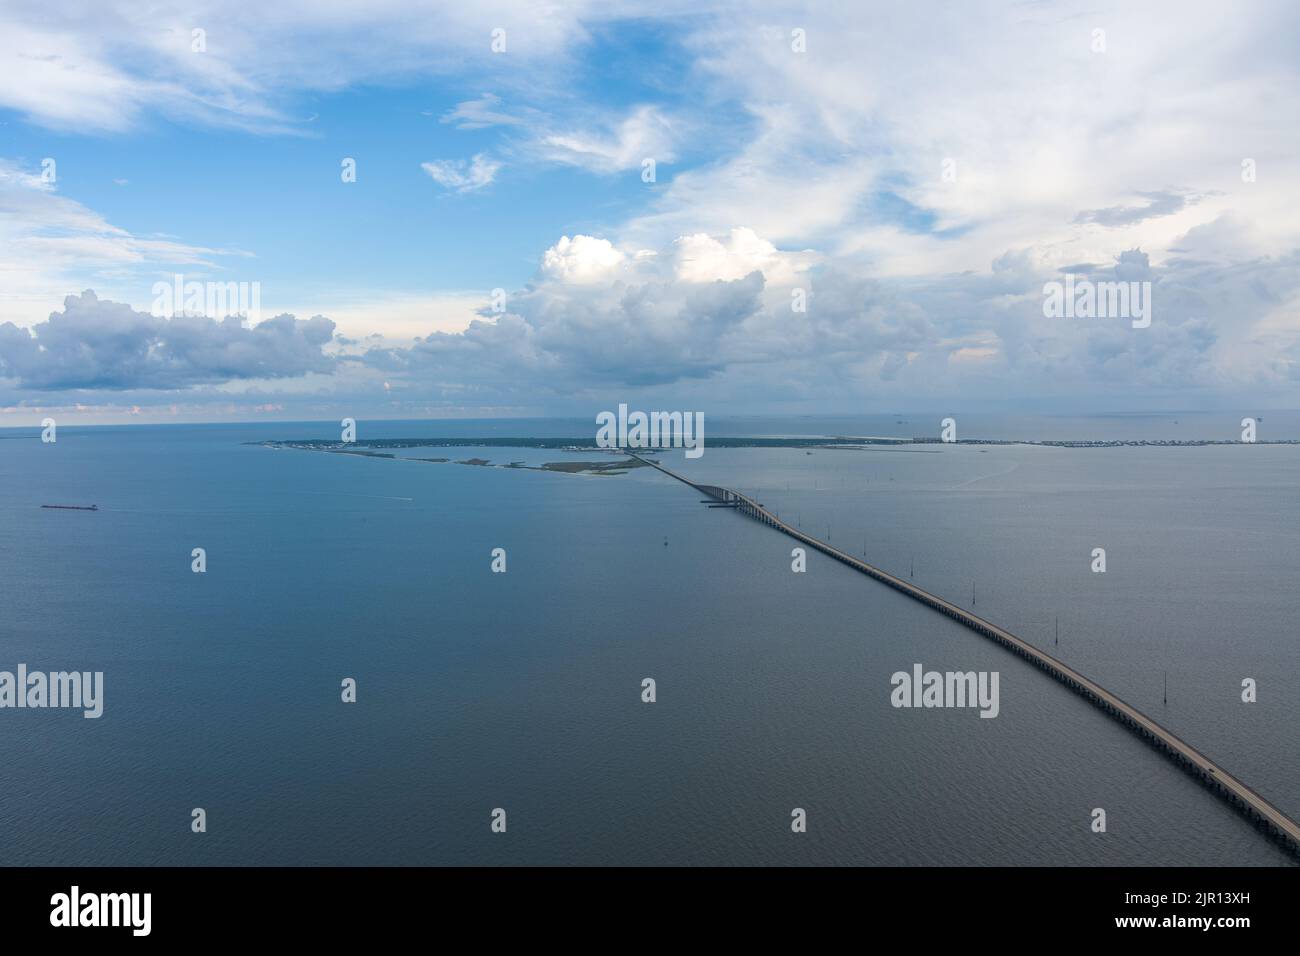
point(73, 507)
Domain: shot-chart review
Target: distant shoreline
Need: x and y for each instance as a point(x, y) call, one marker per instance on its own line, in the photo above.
point(830, 443)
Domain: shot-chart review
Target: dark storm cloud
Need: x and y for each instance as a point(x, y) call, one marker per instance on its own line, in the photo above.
point(1159, 203)
point(648, 333)
point(98, 344)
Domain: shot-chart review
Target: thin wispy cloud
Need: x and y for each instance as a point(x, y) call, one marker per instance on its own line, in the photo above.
point(462, 176)
point(481, 113)
point(1161, 203)
point(111, 65)
point(50, 243)
point(646, 133)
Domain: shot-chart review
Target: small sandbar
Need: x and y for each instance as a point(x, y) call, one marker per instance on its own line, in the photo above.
point(616, 464)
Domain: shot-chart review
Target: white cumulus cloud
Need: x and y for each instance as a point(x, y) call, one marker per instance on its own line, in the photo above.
point(582, 259)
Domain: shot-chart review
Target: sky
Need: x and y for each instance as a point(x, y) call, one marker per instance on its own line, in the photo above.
point(500, 209)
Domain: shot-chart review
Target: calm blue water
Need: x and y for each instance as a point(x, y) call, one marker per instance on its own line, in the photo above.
point(522, 691)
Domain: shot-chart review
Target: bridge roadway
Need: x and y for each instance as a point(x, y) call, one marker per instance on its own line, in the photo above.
point(1245, 800)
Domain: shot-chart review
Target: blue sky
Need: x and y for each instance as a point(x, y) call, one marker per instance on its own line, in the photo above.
point(279, 196)
point(917, 178)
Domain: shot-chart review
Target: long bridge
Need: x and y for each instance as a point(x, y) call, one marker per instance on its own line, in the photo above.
point(1246, 801)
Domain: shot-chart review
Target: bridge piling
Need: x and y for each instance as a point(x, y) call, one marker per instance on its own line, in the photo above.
point(1253, 807)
